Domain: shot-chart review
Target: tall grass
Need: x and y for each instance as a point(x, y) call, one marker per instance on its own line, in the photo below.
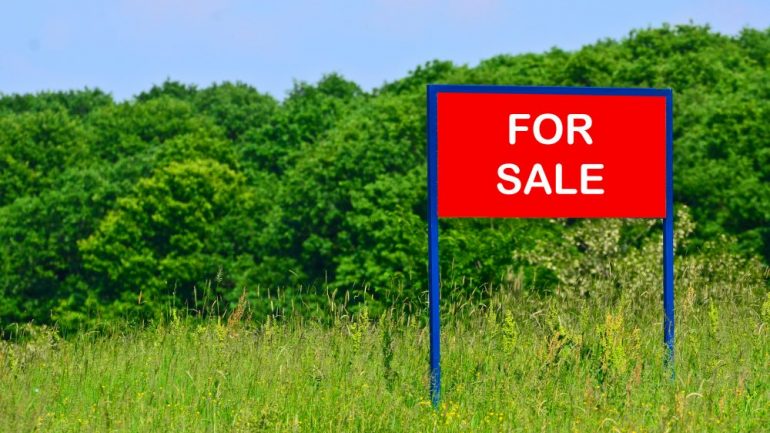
point(513, 363)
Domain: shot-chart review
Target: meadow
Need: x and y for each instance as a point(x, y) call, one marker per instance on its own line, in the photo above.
point(512, 362)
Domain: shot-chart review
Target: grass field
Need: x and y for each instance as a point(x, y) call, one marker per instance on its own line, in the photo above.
point(515, 363)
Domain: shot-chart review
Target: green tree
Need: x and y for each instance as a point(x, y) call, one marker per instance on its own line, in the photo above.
point(36, 147)
point(173, 234)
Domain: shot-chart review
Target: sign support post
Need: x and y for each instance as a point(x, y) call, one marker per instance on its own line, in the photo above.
point(668, 239)
point(434, 288)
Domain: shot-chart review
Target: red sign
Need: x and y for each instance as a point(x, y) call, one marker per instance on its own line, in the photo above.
point(551, 155)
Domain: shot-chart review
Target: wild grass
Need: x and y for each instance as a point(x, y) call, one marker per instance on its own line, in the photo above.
point(514, 363)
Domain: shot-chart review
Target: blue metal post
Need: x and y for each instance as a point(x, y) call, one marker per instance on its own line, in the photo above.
point(668, 238)
point(433, 271)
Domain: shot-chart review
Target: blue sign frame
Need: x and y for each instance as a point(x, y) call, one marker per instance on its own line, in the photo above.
point(433, 258)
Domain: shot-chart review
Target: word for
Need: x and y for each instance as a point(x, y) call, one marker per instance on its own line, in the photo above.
point(572, 127)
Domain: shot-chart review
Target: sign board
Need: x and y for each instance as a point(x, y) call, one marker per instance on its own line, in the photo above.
point(534, 155)
point(548, 152)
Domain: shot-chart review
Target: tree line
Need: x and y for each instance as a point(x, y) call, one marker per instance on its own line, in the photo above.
point(183, 194)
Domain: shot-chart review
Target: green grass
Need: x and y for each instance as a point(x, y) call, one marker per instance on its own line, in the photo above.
point(514, 364)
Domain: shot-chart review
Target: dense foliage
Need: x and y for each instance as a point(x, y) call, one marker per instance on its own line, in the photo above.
point(183, 194)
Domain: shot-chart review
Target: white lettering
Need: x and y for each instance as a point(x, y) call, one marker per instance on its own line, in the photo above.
point(585, 178)
point(557, 134)
point(559, 183)
point(582, 129)
point(513, 127)
point(537, 172)
point(501, 173)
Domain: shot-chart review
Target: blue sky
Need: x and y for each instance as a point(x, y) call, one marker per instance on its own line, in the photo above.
point(125, 46)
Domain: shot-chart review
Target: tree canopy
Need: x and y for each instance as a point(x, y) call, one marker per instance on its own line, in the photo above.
point(121, 208)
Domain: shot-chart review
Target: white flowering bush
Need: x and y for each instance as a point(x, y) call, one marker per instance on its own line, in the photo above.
point(622, 258)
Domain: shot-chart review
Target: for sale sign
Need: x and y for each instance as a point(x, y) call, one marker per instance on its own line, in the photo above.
point(534, 154)
point(507, 151)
